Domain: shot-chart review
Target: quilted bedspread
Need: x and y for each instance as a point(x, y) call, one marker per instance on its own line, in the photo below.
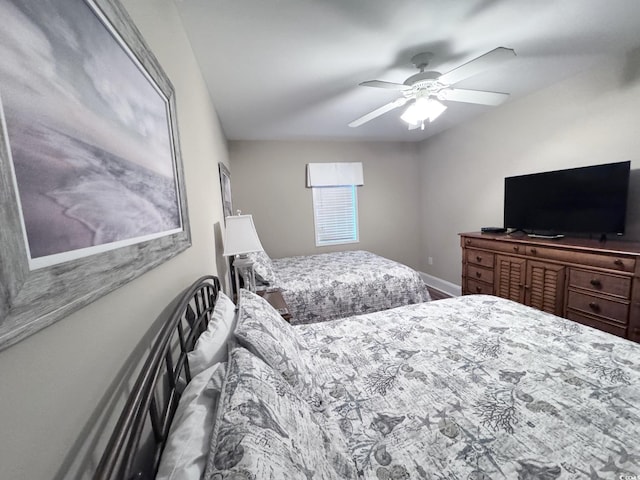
point(479, 387)
point(341, 284)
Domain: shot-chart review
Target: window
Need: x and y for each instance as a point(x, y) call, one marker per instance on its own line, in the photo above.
point(335, 214)
point(335, 201)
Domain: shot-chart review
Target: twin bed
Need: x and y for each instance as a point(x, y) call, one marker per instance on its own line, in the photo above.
point(340, 284)
point(474, 387)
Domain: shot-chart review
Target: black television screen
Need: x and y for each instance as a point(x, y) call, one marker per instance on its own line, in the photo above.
point(587, 200)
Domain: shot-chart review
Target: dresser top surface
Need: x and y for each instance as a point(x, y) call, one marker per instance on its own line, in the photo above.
point(569, 243)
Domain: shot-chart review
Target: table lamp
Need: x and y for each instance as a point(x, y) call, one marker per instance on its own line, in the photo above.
point(240, 238)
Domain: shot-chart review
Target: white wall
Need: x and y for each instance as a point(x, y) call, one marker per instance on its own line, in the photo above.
point(268, 181)
point(589, 119)
point(56, 385)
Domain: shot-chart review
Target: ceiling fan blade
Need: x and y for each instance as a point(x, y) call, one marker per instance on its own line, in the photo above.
point(378, 111)
point(472, 96)
point(383, 84)
point(478, 65)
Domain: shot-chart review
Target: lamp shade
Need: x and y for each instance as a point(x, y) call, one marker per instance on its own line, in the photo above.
point(240, 236)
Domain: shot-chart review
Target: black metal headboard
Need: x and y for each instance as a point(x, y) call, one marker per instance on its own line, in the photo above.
point(136, 444)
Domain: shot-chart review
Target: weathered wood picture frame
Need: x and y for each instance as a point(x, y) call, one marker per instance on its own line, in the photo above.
point(110, 174)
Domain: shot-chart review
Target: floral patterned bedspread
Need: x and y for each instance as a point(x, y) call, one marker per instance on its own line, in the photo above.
point(341, 284)
point(479, 387)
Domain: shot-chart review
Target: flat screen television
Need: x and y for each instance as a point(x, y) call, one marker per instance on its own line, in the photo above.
point(587, 200)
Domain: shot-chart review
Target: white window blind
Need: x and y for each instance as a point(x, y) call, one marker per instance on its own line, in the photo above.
point(335, 214)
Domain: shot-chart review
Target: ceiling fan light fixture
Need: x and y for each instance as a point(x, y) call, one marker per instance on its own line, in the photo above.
point(423, 109)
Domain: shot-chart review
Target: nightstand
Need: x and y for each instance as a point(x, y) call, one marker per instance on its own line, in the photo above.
point(276, 300)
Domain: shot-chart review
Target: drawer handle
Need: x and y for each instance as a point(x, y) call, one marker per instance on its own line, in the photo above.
point(478, 274)
point(478, 288)
point(478, 258)
point(534, 251)
point(468, 241)
point(594, 306)
point(618, 262)
point(516, 248)
point(596, 282)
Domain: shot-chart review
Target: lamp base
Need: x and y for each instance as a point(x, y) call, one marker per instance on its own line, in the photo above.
point(243, 266)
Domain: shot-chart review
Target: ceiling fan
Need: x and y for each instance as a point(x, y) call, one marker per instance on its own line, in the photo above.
point(424, 91)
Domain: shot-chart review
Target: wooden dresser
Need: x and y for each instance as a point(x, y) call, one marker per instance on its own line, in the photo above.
point(591, 282)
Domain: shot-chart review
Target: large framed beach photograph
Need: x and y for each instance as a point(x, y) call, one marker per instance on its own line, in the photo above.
point(90, 166)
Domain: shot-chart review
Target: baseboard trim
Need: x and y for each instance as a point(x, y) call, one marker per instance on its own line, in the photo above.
point(442, 285)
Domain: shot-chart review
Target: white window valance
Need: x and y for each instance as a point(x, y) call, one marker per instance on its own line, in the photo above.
point(334, 174)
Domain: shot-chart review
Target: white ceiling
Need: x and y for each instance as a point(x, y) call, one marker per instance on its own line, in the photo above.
point(289, 69)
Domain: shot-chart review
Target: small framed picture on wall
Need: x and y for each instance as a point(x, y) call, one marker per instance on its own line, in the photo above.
point(225, 187)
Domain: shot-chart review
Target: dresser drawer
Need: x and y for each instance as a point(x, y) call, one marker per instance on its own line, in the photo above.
point(482, 274)
point(614, 328)
point(473, 286)
point(600, 282)
point(611, 262)
point(478, 257)
point(601, 307)
point(495, 245)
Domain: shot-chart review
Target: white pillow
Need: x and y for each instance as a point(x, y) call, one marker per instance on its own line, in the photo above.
point(185, 454)
point(211, 347)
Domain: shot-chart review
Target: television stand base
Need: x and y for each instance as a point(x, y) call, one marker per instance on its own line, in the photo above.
point(550, 236)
